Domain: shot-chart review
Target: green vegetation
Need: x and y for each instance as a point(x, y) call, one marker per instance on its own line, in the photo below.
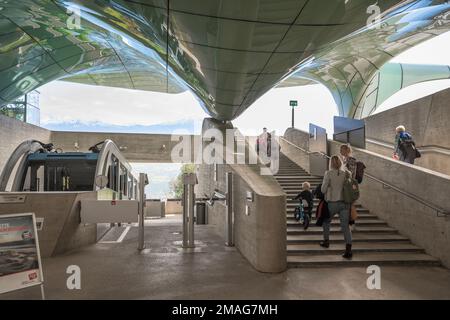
point(176, 186)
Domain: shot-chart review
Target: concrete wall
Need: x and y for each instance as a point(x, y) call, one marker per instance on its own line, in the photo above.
point(135, 147)
point(62, 230)
point(13, 132)
point(155, 208)
point(154, 148)
point(174, 207)
point(300, 139)
point(260, 236)
point(427, 119)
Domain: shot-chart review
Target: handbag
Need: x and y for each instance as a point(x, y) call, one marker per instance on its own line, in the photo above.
point(418, 154)
point(353, 213)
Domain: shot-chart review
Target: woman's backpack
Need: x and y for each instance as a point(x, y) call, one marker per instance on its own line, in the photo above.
point(318, 192)
point(360, 167)
point(407, 144)
point(350, 189)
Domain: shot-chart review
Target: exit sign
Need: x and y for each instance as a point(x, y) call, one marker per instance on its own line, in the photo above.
point(293, 103)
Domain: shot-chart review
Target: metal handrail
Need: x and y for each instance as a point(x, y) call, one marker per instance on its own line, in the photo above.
point(409, 195)
point(388, 185)
point(295, 146)
point(423, 149)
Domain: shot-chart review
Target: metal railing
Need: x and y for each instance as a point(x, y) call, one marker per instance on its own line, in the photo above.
point(295, 146)
point(422, 149)
point(304, 150)
point(439, 211)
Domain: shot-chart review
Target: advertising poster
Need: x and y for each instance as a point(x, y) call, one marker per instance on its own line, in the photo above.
point(20, 263)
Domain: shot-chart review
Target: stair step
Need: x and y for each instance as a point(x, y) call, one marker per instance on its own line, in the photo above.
point(296, 177)
point(296, 184)
point(293, 183)
point(290, 207)
point(374, 242)
point(294, 203)
point(362, 259)
point(336, 222)
point(361, 219)
point(291, 204)
point(359, 247)
point(314, 230)
point(339, 238)
point(296, 187)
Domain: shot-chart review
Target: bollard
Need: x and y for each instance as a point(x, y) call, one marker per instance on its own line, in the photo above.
point(229, 218)
point(143, 181)
point(189, 181)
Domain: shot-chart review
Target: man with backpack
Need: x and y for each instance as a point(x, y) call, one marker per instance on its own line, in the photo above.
point(405, 147)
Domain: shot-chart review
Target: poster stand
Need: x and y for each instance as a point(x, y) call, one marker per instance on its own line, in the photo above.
point(42, 291)
point(19, 242)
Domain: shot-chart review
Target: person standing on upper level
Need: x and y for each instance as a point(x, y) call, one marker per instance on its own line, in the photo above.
point(264, 142)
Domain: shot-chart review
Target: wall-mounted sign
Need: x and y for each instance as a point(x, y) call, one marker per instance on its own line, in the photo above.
point(250, 196)
point(13, 198)
point(39, 223)
point(20, 260)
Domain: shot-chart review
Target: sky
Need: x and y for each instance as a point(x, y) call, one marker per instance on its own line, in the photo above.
point(160, 176)
point(76, 107)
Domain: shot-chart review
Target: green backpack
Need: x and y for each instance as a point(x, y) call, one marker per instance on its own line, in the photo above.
point(350, 189)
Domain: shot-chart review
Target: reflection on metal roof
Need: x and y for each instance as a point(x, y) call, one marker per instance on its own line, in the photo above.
point(387, 81)
point(229, 53)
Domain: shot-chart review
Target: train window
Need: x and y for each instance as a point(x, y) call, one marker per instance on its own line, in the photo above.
point(130, 188)
point(113, 174)
point(123, 180)
point(34, 178)
point(60, 174)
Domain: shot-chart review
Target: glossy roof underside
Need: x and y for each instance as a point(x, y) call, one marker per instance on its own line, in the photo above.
point(387, 81)
point(228, 52)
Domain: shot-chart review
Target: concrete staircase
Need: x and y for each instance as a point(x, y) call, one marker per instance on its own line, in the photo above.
point(374, 242)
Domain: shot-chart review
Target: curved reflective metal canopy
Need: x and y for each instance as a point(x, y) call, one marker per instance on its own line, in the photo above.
point(228, 52)
point(387, 81)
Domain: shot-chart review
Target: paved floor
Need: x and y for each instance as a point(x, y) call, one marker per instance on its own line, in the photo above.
point(213, 271)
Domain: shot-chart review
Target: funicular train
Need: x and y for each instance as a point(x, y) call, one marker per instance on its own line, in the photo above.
point(38, 167)
point(77, 196)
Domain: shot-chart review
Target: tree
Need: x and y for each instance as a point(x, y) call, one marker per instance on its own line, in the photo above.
point(176, 186)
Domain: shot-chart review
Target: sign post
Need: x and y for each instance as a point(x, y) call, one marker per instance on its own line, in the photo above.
point(20, 258)
point(293, 104)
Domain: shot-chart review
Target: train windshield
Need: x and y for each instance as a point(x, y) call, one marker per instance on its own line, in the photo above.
point(60, 172)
